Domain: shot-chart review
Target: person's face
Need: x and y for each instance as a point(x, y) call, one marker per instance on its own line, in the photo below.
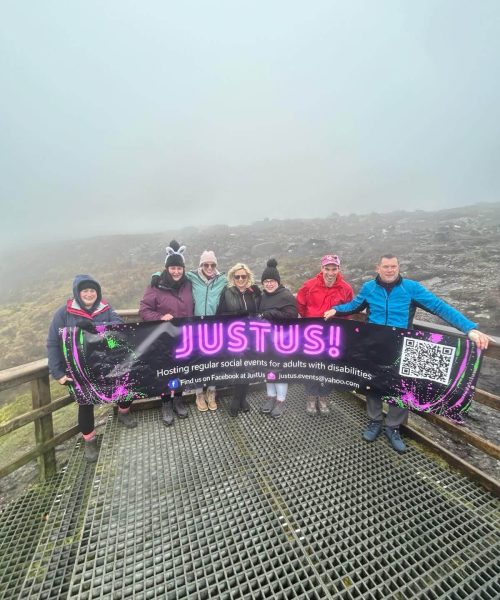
point(270, 285)
point(208, 269)
point(175, 272)
point(241, 279)
point(330, 273)
point(88, 296)
point(388, 270)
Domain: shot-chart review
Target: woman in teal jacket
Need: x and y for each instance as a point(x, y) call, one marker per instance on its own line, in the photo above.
point(207, 284)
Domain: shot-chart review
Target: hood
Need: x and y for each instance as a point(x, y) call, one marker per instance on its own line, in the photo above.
point(76, 282)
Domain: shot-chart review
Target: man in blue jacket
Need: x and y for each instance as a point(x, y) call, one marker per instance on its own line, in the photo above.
point(392, 300)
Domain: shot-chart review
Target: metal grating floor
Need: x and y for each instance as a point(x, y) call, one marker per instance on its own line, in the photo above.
point(253, 507)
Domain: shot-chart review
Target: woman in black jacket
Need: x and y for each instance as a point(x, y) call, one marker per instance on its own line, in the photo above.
point(277, 302)
point(240, 297)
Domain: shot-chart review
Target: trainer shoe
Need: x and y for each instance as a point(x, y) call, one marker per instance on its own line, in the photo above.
point(311, 405)
point(278, 409)
point(323, 405)
point(372, 431)
point(268, 405)
point(395, 440)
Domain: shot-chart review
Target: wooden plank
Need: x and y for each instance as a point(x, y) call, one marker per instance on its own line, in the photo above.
point(31, 416)
point(38, 451)
point(493, 485)
point(15, 376)
point(487, 399)
point(44, 429)
point(463, 434)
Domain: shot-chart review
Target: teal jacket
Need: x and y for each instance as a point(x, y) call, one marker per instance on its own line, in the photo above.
point(206, 293)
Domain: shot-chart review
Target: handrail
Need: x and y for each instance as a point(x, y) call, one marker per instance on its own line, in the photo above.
point(43, 407)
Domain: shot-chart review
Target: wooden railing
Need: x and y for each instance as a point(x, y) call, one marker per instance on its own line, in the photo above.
point(43, 407)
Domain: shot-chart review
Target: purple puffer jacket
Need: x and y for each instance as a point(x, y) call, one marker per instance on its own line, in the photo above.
point(158, 302)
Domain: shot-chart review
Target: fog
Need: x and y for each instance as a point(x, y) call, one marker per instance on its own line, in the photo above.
point(121, 116)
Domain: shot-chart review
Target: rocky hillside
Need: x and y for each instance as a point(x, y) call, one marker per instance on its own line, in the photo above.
point(454, 252)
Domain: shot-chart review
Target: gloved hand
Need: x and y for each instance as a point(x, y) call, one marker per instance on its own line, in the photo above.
point(87, 325)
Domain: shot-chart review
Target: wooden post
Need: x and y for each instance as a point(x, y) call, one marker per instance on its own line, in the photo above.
point(44, 430)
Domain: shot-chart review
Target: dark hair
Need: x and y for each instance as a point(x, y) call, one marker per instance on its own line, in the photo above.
point(388, 257)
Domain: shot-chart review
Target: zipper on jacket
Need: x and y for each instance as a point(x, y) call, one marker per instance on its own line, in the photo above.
point(386, 306)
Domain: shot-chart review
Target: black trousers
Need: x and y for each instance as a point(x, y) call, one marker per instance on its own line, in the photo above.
point(86, 422)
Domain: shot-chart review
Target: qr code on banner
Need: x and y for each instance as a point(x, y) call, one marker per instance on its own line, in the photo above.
point(426, 360)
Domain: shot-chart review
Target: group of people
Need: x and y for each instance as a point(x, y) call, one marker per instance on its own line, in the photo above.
point(389, 299)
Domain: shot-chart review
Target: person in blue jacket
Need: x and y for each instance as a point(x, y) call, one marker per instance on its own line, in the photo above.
point(207, 285)
point(85, 309)
point(392, 300)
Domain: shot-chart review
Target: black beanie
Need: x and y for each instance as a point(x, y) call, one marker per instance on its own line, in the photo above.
point(271, 272)
point(175, 255)
point(88, 284)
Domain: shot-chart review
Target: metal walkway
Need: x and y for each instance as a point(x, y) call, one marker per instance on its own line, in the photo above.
point(253, 507)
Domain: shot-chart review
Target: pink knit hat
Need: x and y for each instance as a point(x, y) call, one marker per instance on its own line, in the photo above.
point(330, 259)
point(208, 256)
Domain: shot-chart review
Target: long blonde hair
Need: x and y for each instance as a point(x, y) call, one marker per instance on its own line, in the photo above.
point(238, 267)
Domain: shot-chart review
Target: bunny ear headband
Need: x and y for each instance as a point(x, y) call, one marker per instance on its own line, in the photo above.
point(179, 252)
point(175, 254)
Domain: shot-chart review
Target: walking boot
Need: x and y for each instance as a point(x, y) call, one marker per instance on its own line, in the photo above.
point(372, 431)
point(234, 406)
point(180, 408)
point(128, 419)
point(311, 405)
point(268, 405)
point(244, 405)
point(212, 404)
point(394, 438)
point(167, 412)
point(201, 403)
point(323, 405)
point(91, 450)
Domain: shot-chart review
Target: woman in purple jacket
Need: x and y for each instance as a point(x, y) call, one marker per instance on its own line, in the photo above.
point(169, 296)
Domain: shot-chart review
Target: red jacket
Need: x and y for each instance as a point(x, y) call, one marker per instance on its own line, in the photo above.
point(314, 298)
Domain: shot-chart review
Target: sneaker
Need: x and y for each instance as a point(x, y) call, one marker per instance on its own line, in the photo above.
point(211, 403)
point(91, 450)
point(311, 405)
point(268, 405)
point(278, 409)
point(180, 408)
point(167, 413)
point(372, 431)
point(323, 405)
point(395, 440)
point(201, 403)
point(128, 419)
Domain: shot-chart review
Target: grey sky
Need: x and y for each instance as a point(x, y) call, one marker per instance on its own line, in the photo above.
point(123, 116)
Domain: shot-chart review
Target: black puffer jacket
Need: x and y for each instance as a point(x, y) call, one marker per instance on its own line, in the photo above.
point(233, 302)
point(279, 304)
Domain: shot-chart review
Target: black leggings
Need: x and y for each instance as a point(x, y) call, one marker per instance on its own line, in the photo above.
point(86, 416)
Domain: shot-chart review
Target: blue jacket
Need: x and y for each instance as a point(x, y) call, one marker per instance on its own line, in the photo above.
point(206, 293)
point(72, 314)
point(397, 307)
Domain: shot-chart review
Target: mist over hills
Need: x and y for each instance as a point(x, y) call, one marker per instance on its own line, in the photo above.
point(454, 252)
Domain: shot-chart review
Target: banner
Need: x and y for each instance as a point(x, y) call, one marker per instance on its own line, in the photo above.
point(419, 370)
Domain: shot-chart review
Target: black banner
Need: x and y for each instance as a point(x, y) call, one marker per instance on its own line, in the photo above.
point(419, 370)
